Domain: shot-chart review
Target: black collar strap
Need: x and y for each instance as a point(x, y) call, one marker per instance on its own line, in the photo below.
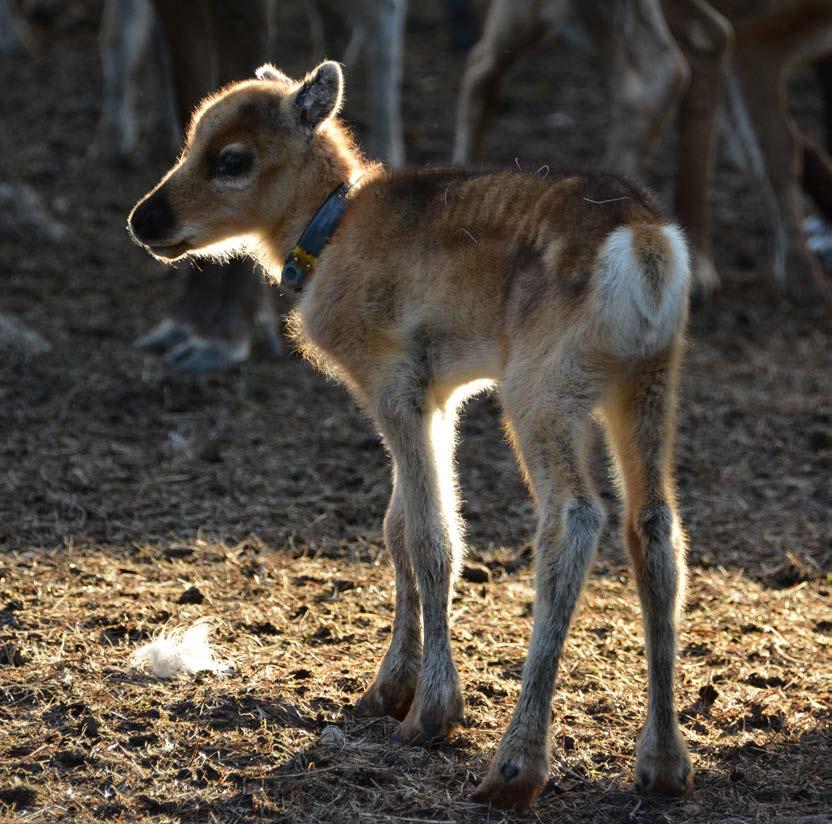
point(303, 258)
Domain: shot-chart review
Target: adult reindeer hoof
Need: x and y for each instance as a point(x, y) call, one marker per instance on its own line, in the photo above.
point(199, 354)
point(389, 699)
point(166, 334)
point(202, 335)
point(267, 324)
point(664, 771)
point(187, 351)
point(706, 281)
point(508, 785)
point(426, 733)
point(804, 282)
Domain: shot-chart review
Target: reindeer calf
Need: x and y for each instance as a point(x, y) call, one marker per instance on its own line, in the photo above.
point(569, 293)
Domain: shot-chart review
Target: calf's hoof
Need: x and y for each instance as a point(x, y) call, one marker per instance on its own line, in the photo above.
point(426, 725)
point(393, 699)
point(664, 771)
point(509, 785)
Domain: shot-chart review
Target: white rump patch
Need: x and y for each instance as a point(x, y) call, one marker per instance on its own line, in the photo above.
point(635, 324)
point(181, 651)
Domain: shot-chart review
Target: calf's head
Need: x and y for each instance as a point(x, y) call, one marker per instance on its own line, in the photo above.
point(247, 153)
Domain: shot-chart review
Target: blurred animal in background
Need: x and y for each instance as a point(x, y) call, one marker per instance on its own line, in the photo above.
point(205, 44)
point(159, 59)
point(664, 53)
point(135, 62)
point(19, 340)
point(371, 31)
point(12, 34)
point(772, 37)
point(25, 218)
point(25, 23)
point(419, 288)
point(211, 44)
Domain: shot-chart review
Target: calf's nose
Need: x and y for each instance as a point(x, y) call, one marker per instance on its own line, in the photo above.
point(153, 219)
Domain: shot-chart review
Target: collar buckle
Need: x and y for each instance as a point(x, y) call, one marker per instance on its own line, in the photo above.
point(302, 259)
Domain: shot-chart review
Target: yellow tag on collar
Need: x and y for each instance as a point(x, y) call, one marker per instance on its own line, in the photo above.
point(298, 264)
point(304, 259)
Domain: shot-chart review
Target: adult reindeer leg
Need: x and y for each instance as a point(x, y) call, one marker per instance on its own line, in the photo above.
point(511, 27)
point(212, 326)
point(384, 56)
point(648, 74)
point(767, 46)
point(127, 37)
point(705, 38)
point(823, 72)
point(817, 176)
point(373, 31)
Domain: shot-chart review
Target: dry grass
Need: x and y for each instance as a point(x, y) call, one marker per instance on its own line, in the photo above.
point(85, 737)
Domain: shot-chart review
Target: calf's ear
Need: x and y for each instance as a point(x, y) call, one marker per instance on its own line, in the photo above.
point(319, 96)
point(269, 72)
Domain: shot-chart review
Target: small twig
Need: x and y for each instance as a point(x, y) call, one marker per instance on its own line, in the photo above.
point(517, 163)
point(420, 820)
point(446, 194)
point(785, 592)
point(562, 765)
point(463, 229)
point(306, 773)
point(542, 168)
point(611, 200)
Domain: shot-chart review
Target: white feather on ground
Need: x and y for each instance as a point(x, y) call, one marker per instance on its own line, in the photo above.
point(181, 651)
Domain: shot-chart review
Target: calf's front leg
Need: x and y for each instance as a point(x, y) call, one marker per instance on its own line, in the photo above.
point(395, 685)
point(416, 431)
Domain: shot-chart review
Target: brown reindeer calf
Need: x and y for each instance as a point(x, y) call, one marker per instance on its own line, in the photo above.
point(569, 292)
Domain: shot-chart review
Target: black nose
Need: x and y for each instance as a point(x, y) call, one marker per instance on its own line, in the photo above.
point(153, 219)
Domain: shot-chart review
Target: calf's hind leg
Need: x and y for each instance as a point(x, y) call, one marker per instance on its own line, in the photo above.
point(551, 440)
point(640, 424)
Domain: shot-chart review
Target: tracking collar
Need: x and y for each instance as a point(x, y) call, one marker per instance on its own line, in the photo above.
point(303, 258)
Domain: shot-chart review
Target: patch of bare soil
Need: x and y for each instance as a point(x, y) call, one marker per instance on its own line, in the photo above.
point(83, 736)
point(123, 484)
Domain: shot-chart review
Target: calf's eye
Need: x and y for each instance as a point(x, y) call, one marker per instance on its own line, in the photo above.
point(232, 163)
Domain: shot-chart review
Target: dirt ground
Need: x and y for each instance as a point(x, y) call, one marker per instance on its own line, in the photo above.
point(123, 485)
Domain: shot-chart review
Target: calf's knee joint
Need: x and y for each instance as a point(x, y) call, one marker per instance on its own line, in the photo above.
point(655, 523)
point(585, 515)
